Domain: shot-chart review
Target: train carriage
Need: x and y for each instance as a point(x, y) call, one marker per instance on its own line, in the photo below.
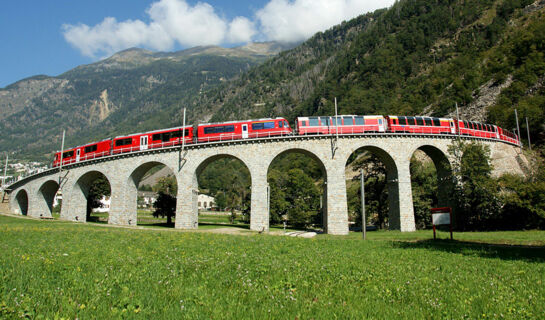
point(82, 153)
point(345, 124)
point(423, 125)
point(476, 129)
point(153, 139)
point(246, 129)
point(508, 136)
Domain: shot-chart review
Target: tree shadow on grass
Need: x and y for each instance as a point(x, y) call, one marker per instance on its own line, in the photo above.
point(241, 226)
point(156, 224)
point(485, 250)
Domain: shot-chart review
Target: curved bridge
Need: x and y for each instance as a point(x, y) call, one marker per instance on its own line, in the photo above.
point(34, 195)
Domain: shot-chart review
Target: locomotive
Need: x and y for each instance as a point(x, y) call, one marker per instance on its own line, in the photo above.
point(271, 127)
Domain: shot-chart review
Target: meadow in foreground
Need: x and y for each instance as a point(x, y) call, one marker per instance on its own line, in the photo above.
point(56, 269)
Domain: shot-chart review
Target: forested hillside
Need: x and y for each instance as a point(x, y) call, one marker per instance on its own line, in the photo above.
point(418, 57)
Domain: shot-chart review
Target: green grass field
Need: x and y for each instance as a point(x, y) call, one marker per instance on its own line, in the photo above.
point(56, 269)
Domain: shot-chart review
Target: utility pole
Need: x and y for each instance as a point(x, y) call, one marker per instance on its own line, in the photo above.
point(5, 170)
point(528, 131)
point(363, 222)
point(183, 134)
point(518, 128)
point(336, 123)
point(457, 124)
point(60, 164)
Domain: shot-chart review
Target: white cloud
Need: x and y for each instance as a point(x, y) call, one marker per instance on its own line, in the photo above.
point(241, 30)
point(171, 21)
point(176, 22)
point(190, 26)
point(290, 21)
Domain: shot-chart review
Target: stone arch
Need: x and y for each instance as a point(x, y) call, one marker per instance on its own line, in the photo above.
point(306, 152)
point(444, 171)
point(203, 164)
point(80, 192)
point(322, 166)
point(134, 179)
point(392, 181)
point(46, 196)
point(21, 202)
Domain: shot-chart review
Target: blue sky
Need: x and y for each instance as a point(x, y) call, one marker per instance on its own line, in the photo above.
point(53, 36)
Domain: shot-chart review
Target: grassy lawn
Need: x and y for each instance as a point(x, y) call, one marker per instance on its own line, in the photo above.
point(60, 269)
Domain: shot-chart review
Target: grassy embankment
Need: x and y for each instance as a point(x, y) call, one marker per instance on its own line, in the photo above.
point(55, 268)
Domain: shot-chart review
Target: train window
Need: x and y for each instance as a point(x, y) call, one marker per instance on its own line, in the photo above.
point(348, 121)
point(410, 121)
point(123, 142)
point(360, 121)
point(402, 120)
point(257, 126)
point(419, 121)
point(334, 121)
point(427, 121)
point(280, 124)
point(286, 124)
point(68, 154)
point(268, 125)
point(230, 128)
point(324, 121)
point(313, 122)
point(436, 122)
point(208, 130)
point(92, 148)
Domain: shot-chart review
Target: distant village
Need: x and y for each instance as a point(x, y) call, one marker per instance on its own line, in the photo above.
point(17, 170)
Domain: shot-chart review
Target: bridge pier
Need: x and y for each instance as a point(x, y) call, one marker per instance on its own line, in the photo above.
point(259, 208)
point(123, 206)
point(404, 205)
point(187, 211)
point(336, 220)
point(74, 204)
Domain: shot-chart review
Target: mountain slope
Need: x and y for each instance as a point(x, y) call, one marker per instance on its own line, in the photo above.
point(134, 90)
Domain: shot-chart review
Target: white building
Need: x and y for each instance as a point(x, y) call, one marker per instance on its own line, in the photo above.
point(205, 202)
point(146, 199)
point(104, 205)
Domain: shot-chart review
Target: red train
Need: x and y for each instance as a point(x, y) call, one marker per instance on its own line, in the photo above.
point(85, 152)
point(153, 139)
point(347, 124)
point(246, 129)
point(250, 129)
point(423, 125)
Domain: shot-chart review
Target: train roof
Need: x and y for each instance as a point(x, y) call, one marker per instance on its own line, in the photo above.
point(343, 115)
point(158, 130)
point(395, 117)
point(237, 121)
point(84, 145)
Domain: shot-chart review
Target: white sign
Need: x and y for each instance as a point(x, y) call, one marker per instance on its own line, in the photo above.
point(440, 218)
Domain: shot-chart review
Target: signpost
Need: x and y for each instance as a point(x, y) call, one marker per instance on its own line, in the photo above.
point(441, 216)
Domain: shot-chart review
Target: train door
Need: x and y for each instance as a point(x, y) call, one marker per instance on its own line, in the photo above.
point(452, 127)
point(143, 142)
point(380, 125)
point(78, 153)
point(244, 131)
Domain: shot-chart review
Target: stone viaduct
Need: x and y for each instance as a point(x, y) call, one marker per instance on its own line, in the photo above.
point(33, 196)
